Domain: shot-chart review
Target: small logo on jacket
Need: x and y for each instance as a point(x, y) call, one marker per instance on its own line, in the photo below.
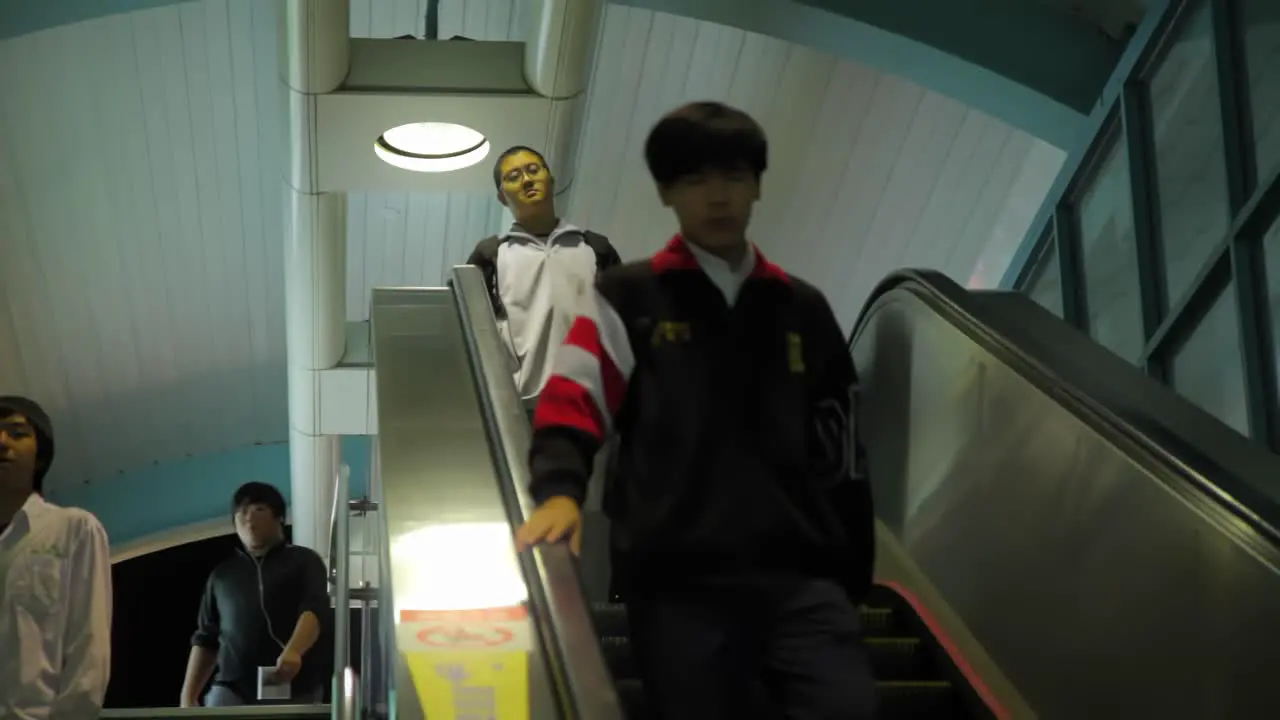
point(795, 353)
point(667, 332)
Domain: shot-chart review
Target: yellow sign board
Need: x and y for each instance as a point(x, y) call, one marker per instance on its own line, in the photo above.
point(471, 684)
point(469, 664)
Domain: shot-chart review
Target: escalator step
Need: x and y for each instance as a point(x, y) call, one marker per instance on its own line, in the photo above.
point(877, 620)
point(904, 668)
point(617, 655)
point(611, 619)
point(915, 700)
point(634, 701)
point(898, 658)
point(933, 699)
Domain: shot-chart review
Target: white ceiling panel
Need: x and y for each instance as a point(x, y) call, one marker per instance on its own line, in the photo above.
point(868, 172)
point(140, 219)
point(140, 213)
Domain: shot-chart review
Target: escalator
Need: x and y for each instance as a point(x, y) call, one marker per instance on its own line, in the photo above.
point(1058, 535)
point(473, 629)
point(1090, 543)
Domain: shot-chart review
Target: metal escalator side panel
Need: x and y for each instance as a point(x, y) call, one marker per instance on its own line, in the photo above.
point(1230, 471)
point(560, 611)
point(1227, 470)
point(462, 638)
point(896, 571)
point(1097, 590)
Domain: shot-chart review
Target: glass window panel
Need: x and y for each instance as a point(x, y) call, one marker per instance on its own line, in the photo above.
point(1207, 369)
point(1191, 179)
point(1109, 257)
point(1261, 33)
point(1044, 285)
point(1271, 249)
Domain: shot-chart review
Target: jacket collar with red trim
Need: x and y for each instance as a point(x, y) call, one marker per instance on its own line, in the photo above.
point(677, 256)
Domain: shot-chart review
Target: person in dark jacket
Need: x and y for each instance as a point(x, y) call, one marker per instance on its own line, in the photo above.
point(261, 608)
point(536, 269)
point(742, 526)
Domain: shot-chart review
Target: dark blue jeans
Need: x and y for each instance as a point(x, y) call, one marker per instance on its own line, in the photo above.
point(223, 696)
point(748, 648)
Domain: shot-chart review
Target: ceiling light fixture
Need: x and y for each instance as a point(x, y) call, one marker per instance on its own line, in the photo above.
point(431, 147)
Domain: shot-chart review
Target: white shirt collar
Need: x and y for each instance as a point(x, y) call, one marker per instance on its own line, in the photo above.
point(515, 231)
point(34, 504)
point(729, 280)
point(32, 507)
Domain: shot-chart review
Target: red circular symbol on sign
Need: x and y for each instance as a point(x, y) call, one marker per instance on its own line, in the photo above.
point(463, 636)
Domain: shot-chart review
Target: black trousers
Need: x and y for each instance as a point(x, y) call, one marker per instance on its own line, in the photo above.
point(748, 648)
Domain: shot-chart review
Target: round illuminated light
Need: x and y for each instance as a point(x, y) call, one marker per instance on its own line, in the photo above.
point(431, 147)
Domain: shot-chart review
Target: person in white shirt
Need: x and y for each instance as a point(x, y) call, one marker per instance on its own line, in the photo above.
point(55, 583)
point(536, 270)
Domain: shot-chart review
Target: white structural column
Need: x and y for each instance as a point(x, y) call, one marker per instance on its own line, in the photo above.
point(562, 39)
point(547, 113)
point(315, 47)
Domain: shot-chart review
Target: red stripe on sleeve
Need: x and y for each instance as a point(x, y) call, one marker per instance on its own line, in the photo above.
point(565, 403)
point(584, 333)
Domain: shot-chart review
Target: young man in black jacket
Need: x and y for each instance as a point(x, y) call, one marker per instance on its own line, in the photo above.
point(742, 530)
point(262, 608)
point(537, 268)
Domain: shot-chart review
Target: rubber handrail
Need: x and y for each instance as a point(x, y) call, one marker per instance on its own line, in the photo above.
point(1196, 467)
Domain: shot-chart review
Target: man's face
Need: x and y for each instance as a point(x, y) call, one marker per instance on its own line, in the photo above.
point(713, 206)
point(526, 182)
point(17, 453)
point(256, 526)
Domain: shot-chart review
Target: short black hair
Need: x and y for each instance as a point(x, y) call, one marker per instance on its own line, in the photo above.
point(497, 164)
point(259, 493)
point(704, 135)
point(41, 425)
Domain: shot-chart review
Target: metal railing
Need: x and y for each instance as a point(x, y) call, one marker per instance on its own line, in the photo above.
point(346, 700)
point(572, 648)
point(346, 704)
point(248, 711)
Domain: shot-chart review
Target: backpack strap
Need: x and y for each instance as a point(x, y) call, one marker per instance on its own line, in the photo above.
point(606, 256)
point(485, 257)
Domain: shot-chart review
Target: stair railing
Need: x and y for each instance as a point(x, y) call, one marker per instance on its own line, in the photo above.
point(346, 686)
point(556, 597)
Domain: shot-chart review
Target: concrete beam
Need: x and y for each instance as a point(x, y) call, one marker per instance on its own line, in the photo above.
point(19, 17)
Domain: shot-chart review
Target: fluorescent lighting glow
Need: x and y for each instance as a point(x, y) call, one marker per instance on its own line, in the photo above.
point(457, 566)
point(431, 147)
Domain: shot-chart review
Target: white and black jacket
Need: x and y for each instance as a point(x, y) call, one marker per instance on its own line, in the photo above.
point(534, 283)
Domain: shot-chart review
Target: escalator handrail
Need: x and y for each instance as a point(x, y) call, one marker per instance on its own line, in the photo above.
point(1227, 489)
point(245, 711)
point(340, 545)
point(575, 658)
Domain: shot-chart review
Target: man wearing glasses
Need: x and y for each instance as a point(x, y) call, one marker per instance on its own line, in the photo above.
point(536, 270)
